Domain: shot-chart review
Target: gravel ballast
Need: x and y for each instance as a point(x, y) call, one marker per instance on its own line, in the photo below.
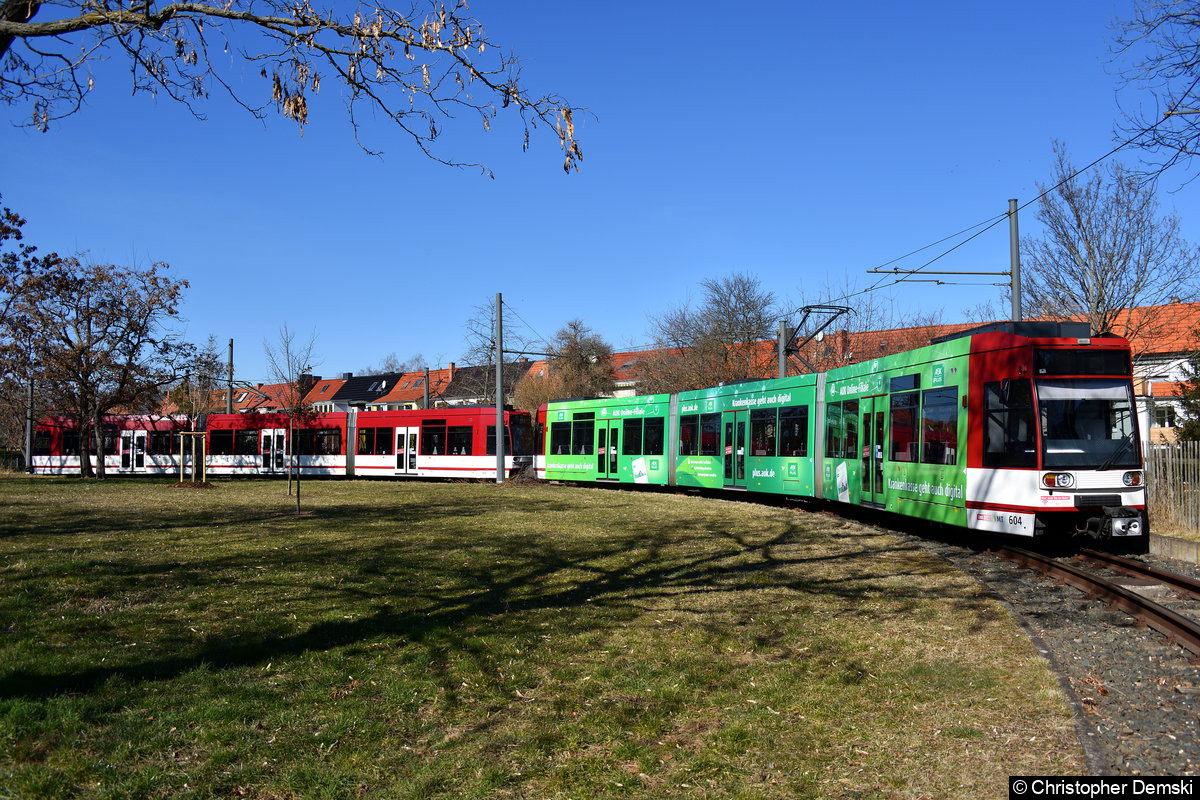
point(1136, 695)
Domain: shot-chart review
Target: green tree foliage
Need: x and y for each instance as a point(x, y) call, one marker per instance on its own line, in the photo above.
point(1189, 423)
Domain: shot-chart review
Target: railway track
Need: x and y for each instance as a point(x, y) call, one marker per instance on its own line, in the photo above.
point(1182, 630)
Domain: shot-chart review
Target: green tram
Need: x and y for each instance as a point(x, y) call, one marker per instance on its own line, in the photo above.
point(1027, 429)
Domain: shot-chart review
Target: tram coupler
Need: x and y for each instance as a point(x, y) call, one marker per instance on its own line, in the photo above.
point(1116, 522)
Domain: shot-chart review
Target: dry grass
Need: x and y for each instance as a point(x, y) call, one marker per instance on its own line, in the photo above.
point(468, 640)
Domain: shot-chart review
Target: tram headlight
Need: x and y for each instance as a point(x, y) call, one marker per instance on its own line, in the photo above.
point(1132, 479)
point(1058, 480)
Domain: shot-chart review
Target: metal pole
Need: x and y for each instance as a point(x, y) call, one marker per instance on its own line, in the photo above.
point(782, 348)
point(1014, 256)
point(499, 389)
point(29, 425)
point(229, 388)
point(425, 402)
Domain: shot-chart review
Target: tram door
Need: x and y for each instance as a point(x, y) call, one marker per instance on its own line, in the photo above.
point(873, 445)
point(133, 451)
point(406, 451)
point(274, 450)
point(607, 448)
point(733, 440)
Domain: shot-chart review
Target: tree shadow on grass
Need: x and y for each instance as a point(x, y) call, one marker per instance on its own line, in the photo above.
point(505, 581)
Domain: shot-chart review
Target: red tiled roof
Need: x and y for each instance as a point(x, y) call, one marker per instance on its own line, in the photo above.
point(323, 390)
point(406, 389)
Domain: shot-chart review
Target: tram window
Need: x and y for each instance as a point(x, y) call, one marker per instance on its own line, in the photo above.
point(245, 443)
point(1081, 362)
point(763, 422)
point(458, 440)
point(522, 447)
point(904, 427)
point(41, 443)
point(560, 438)
point(220, 443)
point(631, 437)
point(906, 383)
point(939, 426)
point(110, 440)
point(321, 442)
point(1008, 432)
point(433, 437)
point(710, 434)
point(583, 430)
point(689, 435)
point(70, 443)
point(793, 431)
point(159, 443)
point(489, 445)
point(329, 442)
point(652, 443)
point(835, 431)
point(850, 409)
point(523, 439)
point(375, 441)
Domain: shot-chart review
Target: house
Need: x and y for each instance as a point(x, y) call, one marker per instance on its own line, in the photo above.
point(360, 391)
point(477, 385)
point(413, 389)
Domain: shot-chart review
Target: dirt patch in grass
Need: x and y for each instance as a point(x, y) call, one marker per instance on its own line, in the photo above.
point(413, 639)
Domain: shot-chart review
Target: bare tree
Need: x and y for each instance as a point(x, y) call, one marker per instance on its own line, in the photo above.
point(875, 326)
point(720, 340)
point(419, 68)
point(581, 361)
point(391, 364)
point(100, 339)
point(479, 336)
point(1159, 48)
point(196, 394)
point(1106, 248)
point(533, 391)
point(290, 363)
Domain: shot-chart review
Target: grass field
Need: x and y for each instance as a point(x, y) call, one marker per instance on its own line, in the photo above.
point(411, 640)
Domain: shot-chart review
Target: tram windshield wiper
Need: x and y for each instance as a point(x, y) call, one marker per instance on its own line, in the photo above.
point(1126, 441)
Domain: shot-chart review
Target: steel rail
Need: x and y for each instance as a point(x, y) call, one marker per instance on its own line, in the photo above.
point(1177, 628)
point(1138, 569)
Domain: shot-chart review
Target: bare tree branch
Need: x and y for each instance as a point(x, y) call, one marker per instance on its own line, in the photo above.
point(1159, 48)
point(1107, 248)
point(420, 68)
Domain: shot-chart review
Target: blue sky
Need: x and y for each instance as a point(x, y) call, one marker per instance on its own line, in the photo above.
point(800, 143)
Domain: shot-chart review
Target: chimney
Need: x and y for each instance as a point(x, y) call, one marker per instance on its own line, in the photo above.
point(451, 371)
point(347, 376)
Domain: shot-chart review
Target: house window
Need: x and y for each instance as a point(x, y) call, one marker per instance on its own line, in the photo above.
point(1164, 417)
